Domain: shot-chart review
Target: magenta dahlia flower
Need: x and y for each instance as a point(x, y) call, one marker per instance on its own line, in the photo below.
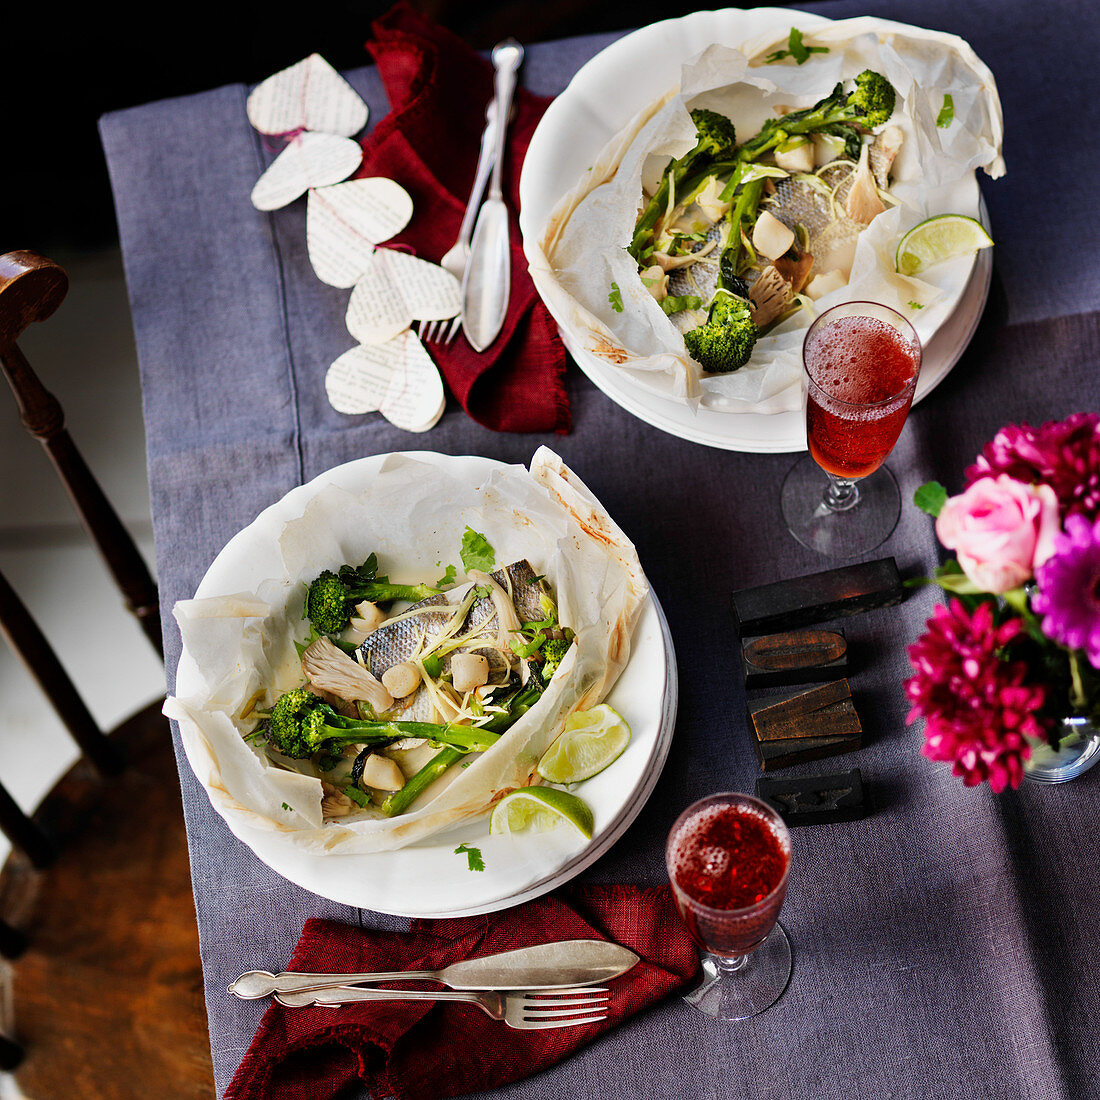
point(979, 707)
point(1069, 589)
point(1064, 454)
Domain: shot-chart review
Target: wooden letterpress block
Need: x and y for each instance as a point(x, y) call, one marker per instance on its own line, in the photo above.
point(833, 594)
point(815, 799)
point(795, 657)
point(808, 725)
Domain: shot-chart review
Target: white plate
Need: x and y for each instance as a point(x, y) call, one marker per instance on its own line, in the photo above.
point(599, 101)
point(429, 879)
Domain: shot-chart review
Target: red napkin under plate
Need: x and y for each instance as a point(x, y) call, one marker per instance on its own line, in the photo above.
point(438, 89)
point(426, 1050)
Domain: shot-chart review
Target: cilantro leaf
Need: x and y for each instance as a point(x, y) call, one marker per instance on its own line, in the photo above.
point(674, 303)
point(930, 497)
point(476, 552)
point(528, 649)
point(448, 577)
point(616, 298)
point(473, 857)
point(795, 49)
point(947, 113)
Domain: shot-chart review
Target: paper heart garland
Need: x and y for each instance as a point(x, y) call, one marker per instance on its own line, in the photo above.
point(309, 160)
point(397, 289)
point(397, 379)
point(310, 95)
point(344, 223)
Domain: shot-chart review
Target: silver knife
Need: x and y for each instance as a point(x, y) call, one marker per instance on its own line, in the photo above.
point(487, 282)
point(543, 966)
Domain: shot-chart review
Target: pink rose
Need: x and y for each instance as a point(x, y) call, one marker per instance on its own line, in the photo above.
point(1001, 529)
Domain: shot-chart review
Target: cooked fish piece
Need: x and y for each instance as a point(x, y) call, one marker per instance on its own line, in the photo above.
point(397, 641)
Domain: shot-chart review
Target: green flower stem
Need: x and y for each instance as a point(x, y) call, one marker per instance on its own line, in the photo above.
point(1078, 697)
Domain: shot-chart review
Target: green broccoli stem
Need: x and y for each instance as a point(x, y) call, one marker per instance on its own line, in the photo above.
point(463, 738)
point(689, 180)
point(748, 201)
point(384, 592)
point(828, 113)
point(399, 801)
point(517, 706)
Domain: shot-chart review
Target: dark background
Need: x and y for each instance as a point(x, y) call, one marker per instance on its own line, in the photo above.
point(67, 69)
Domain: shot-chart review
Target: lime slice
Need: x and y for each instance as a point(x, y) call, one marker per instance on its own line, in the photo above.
point(591, 740)
point(937, 239)
point(539, 809)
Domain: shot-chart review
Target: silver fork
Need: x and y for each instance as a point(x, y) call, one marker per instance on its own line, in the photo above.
point(525, 1010)
point(454, 261)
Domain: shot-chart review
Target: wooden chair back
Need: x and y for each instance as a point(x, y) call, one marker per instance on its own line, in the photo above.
point(111, 826)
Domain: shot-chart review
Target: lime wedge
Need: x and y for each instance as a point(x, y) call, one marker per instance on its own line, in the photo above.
point(539, 809)
point(940, 238)
point(591, 740)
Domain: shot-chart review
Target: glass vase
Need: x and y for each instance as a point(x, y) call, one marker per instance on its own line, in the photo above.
point(1078, 750)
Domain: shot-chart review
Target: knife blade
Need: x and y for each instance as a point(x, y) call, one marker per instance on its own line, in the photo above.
point(486, 285)
point(542, 966)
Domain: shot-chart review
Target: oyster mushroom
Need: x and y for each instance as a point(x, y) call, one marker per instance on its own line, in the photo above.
point(328, 668)
point(769, 295)
point(655, 281)
point(863, 204)
point(368, 618)
point(884, 149)
point(671, 263)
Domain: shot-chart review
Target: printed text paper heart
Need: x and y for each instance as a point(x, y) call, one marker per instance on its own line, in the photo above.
point(397, 289)
point(397, 378)
point(310, 95)
point(309, 160)
point(344, 223)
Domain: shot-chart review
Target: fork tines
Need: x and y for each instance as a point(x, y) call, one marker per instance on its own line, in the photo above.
point(562, 1007)
point(439, 332)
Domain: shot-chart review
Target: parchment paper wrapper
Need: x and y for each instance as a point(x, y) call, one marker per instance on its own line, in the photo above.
point(413, 516)
point(580, 252)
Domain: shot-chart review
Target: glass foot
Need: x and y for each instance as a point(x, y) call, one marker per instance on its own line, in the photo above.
point(1078, 750)
point(839, 534)
point(728, 994)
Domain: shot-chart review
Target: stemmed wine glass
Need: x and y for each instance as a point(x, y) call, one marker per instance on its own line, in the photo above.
point(728, 858)
point(860, 364)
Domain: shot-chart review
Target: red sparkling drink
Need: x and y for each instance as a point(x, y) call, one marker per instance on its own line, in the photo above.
point(860, 376)
point(728, 858)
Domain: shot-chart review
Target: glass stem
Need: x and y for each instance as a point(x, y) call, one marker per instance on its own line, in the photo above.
point(840, 494)
point(730, 966)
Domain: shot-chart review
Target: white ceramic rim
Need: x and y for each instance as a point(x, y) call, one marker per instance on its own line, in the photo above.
point(590, 118)
point(428, 879)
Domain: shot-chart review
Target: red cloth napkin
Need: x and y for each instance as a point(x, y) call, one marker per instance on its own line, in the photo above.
point(438, 89)
point(424, 1050)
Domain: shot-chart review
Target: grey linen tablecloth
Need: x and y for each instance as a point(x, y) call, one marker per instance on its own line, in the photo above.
point(944, 946)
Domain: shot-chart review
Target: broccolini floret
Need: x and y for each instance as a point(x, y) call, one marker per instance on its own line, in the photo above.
point(716, 142)
point(301, 723)
point(869, 104)
point(726, 341)
point(553, 653)
point(331, 599)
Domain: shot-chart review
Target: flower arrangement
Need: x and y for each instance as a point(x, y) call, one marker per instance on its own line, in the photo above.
point(1017, 646)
